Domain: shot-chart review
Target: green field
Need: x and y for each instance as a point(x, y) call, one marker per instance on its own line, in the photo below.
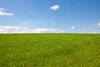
point(50, 50)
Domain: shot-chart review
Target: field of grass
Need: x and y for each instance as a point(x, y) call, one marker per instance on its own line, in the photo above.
point(50, 50)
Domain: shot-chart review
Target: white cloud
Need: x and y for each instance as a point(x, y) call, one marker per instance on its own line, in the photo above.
point(55, 7)
point(73, 27)
point(16, 29)
point(98, 24)
point(2, 13)
point(2, 9)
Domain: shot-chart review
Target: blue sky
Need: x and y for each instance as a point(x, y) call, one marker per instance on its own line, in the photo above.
point(57, 16)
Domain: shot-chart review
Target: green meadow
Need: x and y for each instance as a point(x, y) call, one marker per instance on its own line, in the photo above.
point(50, 50)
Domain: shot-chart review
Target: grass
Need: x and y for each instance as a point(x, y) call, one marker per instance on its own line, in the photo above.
point(50, 50)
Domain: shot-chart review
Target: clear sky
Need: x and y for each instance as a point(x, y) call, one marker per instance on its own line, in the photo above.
point(50, 16)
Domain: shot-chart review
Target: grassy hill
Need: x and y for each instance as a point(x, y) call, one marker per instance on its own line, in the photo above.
point(49, 50)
